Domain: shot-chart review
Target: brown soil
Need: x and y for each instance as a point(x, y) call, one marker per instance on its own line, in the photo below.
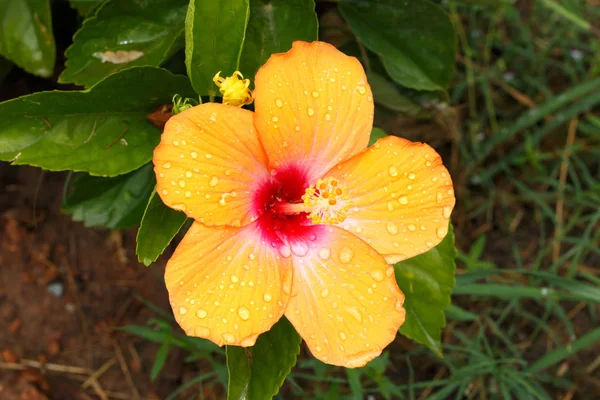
point(51, 343)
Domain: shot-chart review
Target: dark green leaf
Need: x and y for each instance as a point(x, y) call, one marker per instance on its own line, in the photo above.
point(376, 134)
point(459, 314)
point(84, 7)
point(159, 360)
point(103, 130)
point(214, 36)
point(159, 225)
point(26, 35)
point(123, 34)
point(257, 373)
point(272, 28)
point(5, 67)
point(415, 39)
point(114, 203)
point(427, 281)
point(386, 94)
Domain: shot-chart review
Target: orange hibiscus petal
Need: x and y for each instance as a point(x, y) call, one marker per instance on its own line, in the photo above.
point(313, 107)
point(209, 162)
point(225, 285)
point(401, 197)
point(345, 301)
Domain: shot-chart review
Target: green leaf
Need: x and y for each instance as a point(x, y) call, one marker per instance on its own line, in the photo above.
point(214, 36)
point(427, 281)
point(159, 226)
point(376, 134)
point(272, 28)
point(457, 313)
point(124, 34)
point(5, 67)
point(26, 35)
point(257, 373)
point(387, 95)
point(415, 39)
point(102, 131)
point(84, 7)
point(114, 203)
point(159, 360)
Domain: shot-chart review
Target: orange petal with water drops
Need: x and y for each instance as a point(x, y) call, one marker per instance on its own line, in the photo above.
point(313, 107)
point(225, 285)
point(401, 197)
point(345, 302)
point(208, 163)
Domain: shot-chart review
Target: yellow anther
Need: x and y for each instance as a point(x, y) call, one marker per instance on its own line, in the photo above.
point(234, 89)
point(327, 200)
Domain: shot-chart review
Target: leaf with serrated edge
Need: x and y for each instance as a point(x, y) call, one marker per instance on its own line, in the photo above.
point(427, 281)
point(26, 35)
point(415, 39)
point(272, 28)
point(114, 203)
point(159, 226)
point(102, 131)
point(123, 34)
point(214, 36)
point(257, 373)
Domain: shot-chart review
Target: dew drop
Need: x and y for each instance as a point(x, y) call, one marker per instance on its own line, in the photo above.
point(208, 155)
point(165, 192)
point(278, 103)
point(446, 211)
point(439, 197)
point(213, 181)
point(188, 174)
point(235, 279)
point(201, 313)
point(325, 293)
point(441, 231)
point(202, 331)
point(411, 176)
point(167, 165)
point(243, 313)
point(285, 251)
point(390, 206)
point(327, 117)
point(353, 311)
point(324, 253)
point(342, 336)
point(391, 228)
point(311, 112)
point(267, 297)
point(275, 119)
point(194, 154)
point(346, 255)
point(412, 228)
point(229, 338)
point(299, 248)
point(188, 194)
point(361, 89)
point(315, 93)
point(181, 183)
point(403, 200)
point(182, 310)
point(378, 275)
point(393, 171)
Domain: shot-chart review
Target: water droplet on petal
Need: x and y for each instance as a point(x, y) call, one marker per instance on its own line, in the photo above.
point(324, 253)
point(411, 176)
point(311, 112)
point(315, 93)
point(378, 275)
point(393, 171)
point(234, 279)
point(361, 89)
point(181, 183)
point(403, 200)
point(167, 165)
point(391, 228)
point(446, 211)
point(325, 293)
point(202, 331)
point(243, 313)
point(355, 313)
point(342, 336)
point(229, 338)
point(213, 181)
point(278, 103)
point(346, 255)
point(267, 297)
point(299, 248)
point(441, 231)
point(390, 206)
point(201, 313)
point(194, 154)
point(412, 228)
point(182, 310)
point(439, 197)
point(285, 251)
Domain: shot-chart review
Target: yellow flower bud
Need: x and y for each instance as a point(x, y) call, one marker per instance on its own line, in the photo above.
point(234, 89)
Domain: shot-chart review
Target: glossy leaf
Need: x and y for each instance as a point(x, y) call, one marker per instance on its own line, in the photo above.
point(84, 7)
point(387, 95)
point(272, 28)
point(427, 281)
point(26, 35)
point(376, 134)
point(214, 36)
point(415, 39)
point(257, 373)
point(123, 34)
point(102, 131)
point(159, 226)
point(113, 203)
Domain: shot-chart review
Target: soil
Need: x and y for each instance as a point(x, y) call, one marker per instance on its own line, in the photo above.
point(63, 290)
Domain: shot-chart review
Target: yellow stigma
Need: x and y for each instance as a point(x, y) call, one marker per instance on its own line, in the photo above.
point(327, 200)
point(234, 89)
